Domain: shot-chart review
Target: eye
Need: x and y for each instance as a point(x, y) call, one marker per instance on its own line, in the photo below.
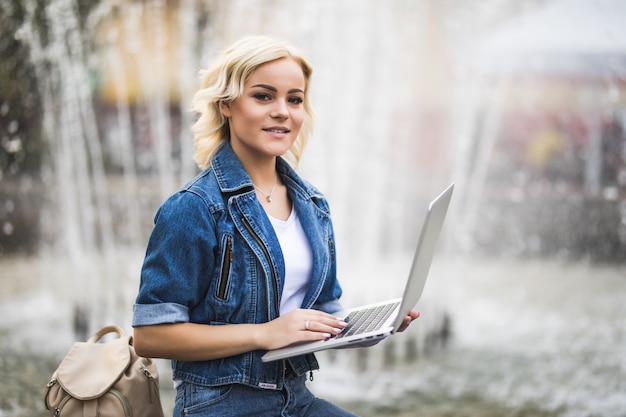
point(296, 100)
point(262, 96)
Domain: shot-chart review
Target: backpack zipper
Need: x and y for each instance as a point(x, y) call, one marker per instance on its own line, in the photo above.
point(49, 385)
point(57, 409)
point(114, 392)
point(122, 400)
point(153, 387)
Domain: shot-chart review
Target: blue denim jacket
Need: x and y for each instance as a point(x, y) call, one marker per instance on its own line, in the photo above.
point(213, 258)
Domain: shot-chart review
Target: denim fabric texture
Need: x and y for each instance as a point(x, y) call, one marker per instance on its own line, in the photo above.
point(294, 400)
point(213, 258)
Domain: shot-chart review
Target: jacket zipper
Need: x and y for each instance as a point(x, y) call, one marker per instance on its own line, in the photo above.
point(267, 255)
point(309, 359)
point(226, 262)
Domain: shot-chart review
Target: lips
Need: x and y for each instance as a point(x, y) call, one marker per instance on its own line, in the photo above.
point(277, 130)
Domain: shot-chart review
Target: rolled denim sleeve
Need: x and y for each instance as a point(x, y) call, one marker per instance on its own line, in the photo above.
point(330, 307)
point(148, 314)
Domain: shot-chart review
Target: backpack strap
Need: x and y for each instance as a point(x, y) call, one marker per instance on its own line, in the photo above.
point(104, 331)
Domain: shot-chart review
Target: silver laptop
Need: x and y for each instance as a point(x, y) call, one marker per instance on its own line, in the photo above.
point(380, 320)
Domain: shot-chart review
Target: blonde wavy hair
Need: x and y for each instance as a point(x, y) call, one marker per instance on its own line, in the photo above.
point(224, 82)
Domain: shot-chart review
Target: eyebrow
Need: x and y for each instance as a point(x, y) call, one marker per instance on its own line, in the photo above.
point(269, 87)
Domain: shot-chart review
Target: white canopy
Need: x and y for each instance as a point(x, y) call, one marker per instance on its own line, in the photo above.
point(562, 36)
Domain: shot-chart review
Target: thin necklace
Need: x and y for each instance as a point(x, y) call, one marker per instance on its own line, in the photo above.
point(268, 197)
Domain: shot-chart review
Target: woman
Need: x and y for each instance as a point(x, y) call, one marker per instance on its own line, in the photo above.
point(241, 260)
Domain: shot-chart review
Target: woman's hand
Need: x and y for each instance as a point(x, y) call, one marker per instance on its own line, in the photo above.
point(299, 326)
point(405, 323)
point(408, 320)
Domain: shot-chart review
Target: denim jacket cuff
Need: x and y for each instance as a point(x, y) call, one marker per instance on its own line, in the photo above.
point(331, 307)
point(148, 314)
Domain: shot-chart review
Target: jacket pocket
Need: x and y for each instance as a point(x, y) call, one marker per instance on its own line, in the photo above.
point(227, 260)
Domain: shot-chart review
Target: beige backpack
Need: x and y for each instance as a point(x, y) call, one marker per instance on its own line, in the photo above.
point(105, 380)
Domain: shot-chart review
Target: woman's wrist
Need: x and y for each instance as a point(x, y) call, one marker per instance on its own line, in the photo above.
point(259, 336)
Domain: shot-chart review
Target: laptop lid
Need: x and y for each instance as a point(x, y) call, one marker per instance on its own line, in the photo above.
point(424, 253)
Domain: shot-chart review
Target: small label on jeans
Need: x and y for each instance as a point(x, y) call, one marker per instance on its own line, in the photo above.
point(265, 385)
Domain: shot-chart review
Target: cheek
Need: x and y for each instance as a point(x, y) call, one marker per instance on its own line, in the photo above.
point(244, 120)
point(252, 114)
point(298, 118)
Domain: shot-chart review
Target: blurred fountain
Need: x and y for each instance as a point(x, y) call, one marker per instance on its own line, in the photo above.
point(117, 143)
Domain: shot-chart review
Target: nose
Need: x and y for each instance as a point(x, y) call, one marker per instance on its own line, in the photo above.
point(280, 110)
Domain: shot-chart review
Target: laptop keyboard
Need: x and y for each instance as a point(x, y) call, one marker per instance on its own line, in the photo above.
point(366, 320)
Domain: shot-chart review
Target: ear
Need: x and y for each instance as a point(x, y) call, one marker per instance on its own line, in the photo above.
point(225, 108)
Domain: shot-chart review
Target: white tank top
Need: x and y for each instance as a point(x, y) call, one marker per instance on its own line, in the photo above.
point(298, 261)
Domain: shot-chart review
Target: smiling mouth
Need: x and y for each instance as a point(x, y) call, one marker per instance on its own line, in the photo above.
point(276, 130)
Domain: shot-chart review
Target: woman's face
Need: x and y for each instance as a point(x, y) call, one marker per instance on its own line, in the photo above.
point(265, 120)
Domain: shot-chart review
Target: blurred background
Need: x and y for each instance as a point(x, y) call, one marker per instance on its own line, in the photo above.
point(521, 103)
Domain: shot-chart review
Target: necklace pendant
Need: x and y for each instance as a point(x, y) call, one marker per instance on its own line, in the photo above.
point(268, 198)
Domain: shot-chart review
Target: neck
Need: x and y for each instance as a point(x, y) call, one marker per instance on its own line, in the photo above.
point(264, 180)
point(260, 168)
point(262, 174)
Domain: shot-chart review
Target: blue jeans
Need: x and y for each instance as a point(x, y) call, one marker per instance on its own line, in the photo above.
point(294, 400)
